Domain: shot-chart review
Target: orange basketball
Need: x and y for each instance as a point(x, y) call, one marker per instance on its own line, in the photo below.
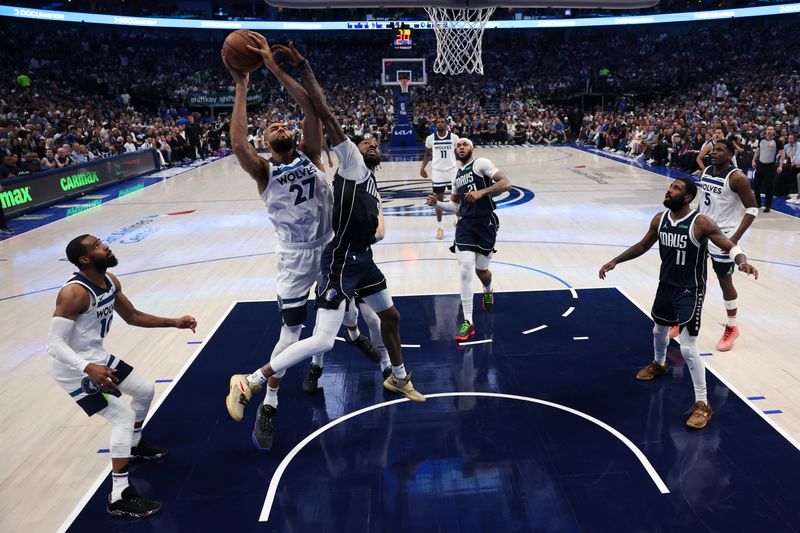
point(240, 58)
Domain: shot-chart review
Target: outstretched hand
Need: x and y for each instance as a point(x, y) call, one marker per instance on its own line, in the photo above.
point(263, 50)
point(288, 54)
point(239, 78)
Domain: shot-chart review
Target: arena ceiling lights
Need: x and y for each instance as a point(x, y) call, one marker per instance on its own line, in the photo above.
point(150, 22)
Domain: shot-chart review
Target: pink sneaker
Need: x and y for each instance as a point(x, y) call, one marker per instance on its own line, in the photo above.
point(674, 331)
point(726, 342)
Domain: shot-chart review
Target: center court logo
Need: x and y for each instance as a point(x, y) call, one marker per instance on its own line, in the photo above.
point(406, 198)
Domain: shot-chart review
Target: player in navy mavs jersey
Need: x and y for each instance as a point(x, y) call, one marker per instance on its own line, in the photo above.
point(347, 265)
point(476, 232)
point(96, 379)
point(683, 235)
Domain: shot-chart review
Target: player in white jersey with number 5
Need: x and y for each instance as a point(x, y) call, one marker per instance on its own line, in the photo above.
point(96, 379)
point(440, 148)
point(727, 199)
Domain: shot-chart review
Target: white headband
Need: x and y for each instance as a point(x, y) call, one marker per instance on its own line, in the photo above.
point(467, 141)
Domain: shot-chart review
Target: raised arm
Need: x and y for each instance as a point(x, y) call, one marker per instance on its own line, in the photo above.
point(637, 249)
point(316, 94)
point(257, 167)
point(705, 228)
point(312, 127)
point(134, 317)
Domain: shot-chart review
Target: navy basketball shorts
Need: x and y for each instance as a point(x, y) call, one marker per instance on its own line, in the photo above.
point(477, 235)
point(675, 306)
point(345, 272)
point(85, 392)
point(723, 268)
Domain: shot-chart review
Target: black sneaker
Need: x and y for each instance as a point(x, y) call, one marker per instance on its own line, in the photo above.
point(312, 377)
point(265, 424)
point(132, 505)
point(365, 345)
point(386, 372)
point(145, 450)
point(6, 231)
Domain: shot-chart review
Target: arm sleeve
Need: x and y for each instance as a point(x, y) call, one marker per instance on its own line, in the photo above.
point(485, 168)
point(351, 162)
point(57, 347)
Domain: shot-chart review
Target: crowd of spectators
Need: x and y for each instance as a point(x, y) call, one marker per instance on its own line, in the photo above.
point(119, 90)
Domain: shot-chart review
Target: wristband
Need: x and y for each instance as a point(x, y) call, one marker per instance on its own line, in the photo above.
point(751, 211)
point(733, 252)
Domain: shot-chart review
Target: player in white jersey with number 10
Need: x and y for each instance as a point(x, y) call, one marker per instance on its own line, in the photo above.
point(727, 199)
point(440, 148)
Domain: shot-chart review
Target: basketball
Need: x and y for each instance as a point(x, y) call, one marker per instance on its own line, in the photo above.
point(241, 58)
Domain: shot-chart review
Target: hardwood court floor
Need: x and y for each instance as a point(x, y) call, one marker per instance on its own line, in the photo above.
point(585, 211)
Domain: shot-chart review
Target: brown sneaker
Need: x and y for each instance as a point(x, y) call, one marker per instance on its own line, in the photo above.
point(651, 371)
point(700, 415)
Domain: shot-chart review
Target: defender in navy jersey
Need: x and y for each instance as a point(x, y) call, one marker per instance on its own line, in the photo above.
point(96, 379)
point(728, 200)
point(476, 232)
point(683, 236)
point(347, 264)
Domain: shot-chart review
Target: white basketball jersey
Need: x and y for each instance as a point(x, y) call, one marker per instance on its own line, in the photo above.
point(299, 200)
point(720, 204)
point(443, 154)
point(92, 325)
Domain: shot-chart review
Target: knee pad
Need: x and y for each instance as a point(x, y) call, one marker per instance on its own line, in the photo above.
point(482, 262)
point(122, 418)
point(141, 392)
point(294, 316)
point(379, 302)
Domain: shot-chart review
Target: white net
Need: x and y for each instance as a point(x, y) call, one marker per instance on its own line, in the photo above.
point(459, 34)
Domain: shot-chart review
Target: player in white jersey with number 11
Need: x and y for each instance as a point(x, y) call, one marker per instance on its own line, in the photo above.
point(440, 147)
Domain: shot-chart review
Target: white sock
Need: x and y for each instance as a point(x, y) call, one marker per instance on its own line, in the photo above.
point(731, 321)
point(119, 482)
point(466, 262)
point(697, 367)
point(353, 333)
point(272, 397)
point(439, 224)
point(317, 360)
point(660, 342)
point(732, 305)
point(487, 288)
point(399, 371)
point(137, 436)
point(257, 378)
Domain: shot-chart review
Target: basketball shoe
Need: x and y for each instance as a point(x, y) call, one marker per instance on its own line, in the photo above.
point(148, 451)
point(404, 387)
point(132, 505)
point(439, 233)
point(488, 300)
point(365, 345)
point(310, 384)
point(265, 424)
point(240, 393)
point(651, 371)
point(730, 334)
point(700, 415)
point(466, 332)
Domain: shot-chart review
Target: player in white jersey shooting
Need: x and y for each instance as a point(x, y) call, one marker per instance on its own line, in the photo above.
point(96, 379)
point(441, 148)
point(299, 201)
point(728, 200)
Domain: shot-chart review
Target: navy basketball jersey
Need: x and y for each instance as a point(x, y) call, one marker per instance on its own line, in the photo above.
point(683, 258)
point(473, 176)
point(355, 199)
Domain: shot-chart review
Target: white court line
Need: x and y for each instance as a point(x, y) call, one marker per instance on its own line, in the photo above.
point(276, 477)
point(409, 345)
point(539, 328)
point(568, 312)
point(340, 339)
point(573, 292)
point(470, 343)
point(580, 338)
point(96, 485)
point(724, 381)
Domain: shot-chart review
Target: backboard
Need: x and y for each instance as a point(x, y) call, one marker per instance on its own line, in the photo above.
point(393, 69)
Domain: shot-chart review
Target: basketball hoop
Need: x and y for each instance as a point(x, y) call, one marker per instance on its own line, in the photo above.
point(459, 34)
point(404, 83)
